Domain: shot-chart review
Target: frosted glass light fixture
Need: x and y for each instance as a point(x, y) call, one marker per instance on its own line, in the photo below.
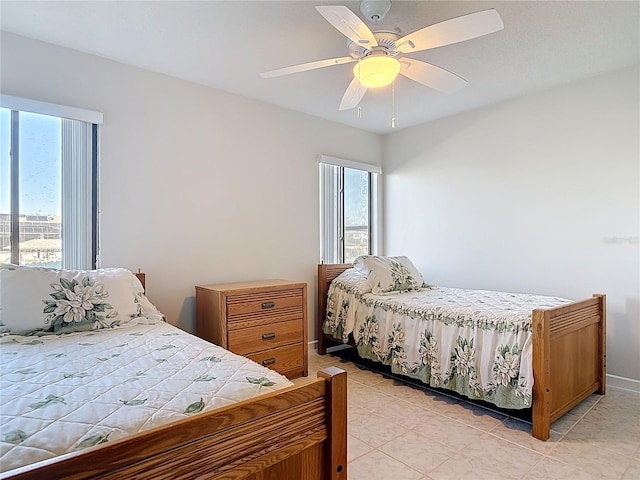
point(376, 71)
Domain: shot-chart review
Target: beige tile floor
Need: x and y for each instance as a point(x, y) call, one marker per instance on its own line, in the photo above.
point(398, 432)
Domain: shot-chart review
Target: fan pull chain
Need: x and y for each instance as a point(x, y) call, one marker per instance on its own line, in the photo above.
point(359, 107)
point(393, 104)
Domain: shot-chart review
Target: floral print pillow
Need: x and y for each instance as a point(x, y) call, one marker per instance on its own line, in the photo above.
point(36, 300)
point(389, 274)
point(79, 306)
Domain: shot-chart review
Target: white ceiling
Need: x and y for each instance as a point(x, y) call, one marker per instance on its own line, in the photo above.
point(226, 44)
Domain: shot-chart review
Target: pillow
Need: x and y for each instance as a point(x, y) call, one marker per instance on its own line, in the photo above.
point(389, 274)
point(36, 299)
point(353, 281)
point(144, 305)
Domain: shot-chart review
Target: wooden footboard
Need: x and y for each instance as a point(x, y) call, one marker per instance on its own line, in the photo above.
point(299, 432)
point(569, 359)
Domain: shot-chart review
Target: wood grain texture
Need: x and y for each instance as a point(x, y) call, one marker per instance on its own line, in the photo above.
point(576, 356)
point(326, 273)
point(336, 451)
point(272, 302)
point(264, 336)
point(541, 408)
point(569, 352)
point(280, 435)
point(602, 344)
point(237, 315)
point(286, 360)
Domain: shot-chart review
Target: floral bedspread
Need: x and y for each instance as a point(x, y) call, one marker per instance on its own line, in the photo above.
point(475, 342)
point(60, 394)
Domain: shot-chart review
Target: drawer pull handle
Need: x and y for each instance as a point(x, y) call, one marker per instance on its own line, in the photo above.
point(268, 336)
point(266, 305)
point(268, 361)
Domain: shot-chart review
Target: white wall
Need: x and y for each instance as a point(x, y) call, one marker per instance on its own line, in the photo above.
point(201, 186)
point(197, 185)
point(524, 196)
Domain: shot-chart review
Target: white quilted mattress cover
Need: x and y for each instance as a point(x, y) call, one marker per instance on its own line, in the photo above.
point(60, 394)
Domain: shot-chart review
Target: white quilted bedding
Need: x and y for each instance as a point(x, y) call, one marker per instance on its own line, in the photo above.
point(60, 394)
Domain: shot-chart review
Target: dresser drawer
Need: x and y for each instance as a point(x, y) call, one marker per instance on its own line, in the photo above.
point(263, 337)
point(264, 304)
point(281, 359)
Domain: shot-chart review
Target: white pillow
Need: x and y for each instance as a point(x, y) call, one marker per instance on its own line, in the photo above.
point(62, 301)
point(353, 281)
point(145, 307)
point(389, 274)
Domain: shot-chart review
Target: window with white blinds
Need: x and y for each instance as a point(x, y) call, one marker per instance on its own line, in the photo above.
point(48, 165)
point(347, 209)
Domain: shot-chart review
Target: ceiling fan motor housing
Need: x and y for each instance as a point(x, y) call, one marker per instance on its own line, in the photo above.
point(386, 44)
point(375, 10)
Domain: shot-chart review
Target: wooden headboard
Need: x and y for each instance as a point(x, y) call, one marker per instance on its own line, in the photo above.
point(326, 273)
point(141, 276)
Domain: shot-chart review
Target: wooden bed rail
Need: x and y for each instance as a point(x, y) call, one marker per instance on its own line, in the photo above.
point(298, 432)
point(569, 359)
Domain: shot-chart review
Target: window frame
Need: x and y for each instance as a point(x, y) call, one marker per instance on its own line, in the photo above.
point(331, 214)
point(14, 165)
point(91, 119)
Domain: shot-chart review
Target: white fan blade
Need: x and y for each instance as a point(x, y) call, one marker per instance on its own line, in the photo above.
point(451, 31)
point(303, 67)
point(349, 24)
point(430, 75)
point(352, 96)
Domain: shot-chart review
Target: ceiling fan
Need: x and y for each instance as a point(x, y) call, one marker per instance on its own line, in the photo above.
point(380, 55)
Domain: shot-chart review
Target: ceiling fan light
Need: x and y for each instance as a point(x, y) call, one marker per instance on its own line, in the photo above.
point(378, 71)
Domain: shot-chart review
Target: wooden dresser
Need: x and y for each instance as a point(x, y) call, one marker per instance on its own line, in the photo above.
point(264, 320)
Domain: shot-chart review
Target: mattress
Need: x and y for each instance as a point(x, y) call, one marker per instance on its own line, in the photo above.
point(477, 343)
point(64, 393)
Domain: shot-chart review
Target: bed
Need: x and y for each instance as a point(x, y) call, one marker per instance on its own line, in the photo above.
point(562, 344)
point(130, 396)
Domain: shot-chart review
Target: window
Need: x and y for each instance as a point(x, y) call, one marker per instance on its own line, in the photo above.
point(347, 206)
point(48, 180)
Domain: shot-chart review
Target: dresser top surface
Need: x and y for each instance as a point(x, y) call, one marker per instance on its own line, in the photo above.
point(271, 283)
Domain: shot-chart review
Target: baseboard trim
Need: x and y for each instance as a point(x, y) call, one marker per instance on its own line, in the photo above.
point(623, 383)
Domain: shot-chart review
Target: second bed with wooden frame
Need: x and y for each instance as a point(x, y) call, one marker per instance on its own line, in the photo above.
point(568, 352)
point(297, 432)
